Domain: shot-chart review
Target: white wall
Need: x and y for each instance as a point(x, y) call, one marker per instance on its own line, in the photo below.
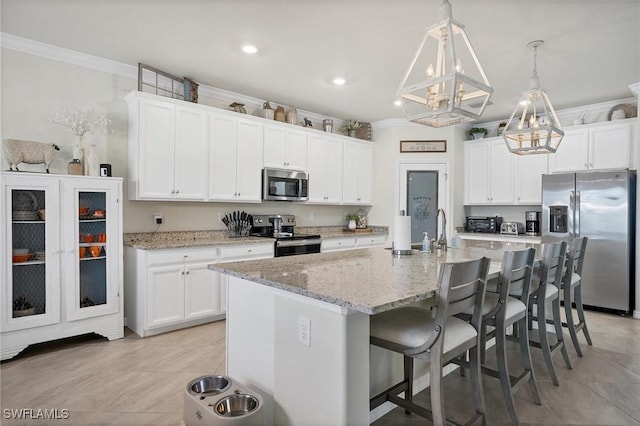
point(388, 135)
point(34, 87)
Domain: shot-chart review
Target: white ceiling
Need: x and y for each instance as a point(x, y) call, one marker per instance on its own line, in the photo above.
point(591, 51)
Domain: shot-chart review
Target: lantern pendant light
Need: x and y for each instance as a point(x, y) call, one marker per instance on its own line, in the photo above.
point(445, 83)
point(533, 128)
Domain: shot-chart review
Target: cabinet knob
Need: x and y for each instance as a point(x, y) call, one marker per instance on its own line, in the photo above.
point(238, 194)
point(177, 191)
point(187, 272)
point(249, 250)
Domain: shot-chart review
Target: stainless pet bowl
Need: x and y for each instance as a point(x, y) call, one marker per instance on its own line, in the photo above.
point(236, 405)
point(208, 385)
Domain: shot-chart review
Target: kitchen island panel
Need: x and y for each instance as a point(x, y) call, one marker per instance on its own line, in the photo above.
point(265, 352)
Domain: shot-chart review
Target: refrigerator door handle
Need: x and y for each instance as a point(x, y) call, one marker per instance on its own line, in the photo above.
point(571, 216)
point(576, 212)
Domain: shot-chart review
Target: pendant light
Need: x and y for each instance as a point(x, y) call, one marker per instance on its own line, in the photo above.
point(533, 128)
point(445, 83)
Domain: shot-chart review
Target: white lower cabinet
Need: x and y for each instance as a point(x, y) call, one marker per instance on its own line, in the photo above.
point(339, 243)
point(370, 240)
point(352, 242)
point(69, 282)
point(169, 289)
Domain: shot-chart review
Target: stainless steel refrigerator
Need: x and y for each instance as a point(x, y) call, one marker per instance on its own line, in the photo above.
point(602, 207)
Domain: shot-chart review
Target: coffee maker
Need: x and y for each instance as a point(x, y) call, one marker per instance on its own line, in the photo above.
point(532, 223)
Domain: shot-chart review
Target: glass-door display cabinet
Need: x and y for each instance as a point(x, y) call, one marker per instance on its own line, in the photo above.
point(61, 258)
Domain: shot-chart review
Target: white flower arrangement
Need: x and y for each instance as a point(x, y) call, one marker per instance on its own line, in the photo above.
point(80, 121)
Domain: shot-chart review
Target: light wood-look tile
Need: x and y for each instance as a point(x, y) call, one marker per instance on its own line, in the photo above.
point(134, 381)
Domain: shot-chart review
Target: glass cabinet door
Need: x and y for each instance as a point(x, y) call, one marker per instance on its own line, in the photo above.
point(30, 262)
point(90, 260)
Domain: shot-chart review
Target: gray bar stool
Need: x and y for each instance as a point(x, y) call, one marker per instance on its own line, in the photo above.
point(572, 282)
point(553, 259)
point(506, 304)
point(415, 333)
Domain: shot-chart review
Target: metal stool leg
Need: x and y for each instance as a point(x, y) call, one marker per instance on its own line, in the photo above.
point(525, 349)
point(557, 321)
point(570, 324)
point(544, 341)
point(578, 298)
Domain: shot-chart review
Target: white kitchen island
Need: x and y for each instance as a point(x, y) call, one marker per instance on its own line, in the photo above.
point(298, 326)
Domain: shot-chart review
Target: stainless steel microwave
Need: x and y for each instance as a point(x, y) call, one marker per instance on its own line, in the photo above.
point(285, 185)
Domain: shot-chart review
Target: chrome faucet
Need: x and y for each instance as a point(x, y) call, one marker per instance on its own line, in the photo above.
point(442, 240)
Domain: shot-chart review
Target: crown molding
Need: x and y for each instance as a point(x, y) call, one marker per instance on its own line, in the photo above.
point(24, 45)
point(36, 48)
point(591, 113)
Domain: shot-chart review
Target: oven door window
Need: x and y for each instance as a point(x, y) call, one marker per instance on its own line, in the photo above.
point(283, 187)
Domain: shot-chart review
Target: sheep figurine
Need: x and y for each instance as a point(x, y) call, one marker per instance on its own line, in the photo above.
point(29, 152)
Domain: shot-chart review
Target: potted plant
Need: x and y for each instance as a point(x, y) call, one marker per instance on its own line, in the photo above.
point(350, 126)
point(477, 132)
point(351, 219)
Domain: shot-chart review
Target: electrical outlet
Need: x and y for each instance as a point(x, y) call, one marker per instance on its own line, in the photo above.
point(304, 331)
point(157, 217)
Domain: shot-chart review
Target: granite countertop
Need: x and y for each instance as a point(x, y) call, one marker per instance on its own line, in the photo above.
point(365, 280)
point(181, 239)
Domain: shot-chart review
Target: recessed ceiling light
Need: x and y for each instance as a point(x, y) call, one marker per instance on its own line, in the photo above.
point(339, 81)
point(249, 48)
point(397, 102)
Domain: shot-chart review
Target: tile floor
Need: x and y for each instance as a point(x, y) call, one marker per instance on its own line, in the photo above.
point(136, 381)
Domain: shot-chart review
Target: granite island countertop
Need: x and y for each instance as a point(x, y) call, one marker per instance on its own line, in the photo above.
point(365, 280)
point(181, 239)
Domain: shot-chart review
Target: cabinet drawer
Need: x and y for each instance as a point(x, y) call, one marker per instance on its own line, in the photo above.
point(371, 240)
point(344, 243)
point(246, 251)
point(190, 254)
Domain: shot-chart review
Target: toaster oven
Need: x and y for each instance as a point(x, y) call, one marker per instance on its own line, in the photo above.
point(489, 225)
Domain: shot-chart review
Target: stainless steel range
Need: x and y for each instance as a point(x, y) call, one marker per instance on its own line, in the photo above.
point(282, 228)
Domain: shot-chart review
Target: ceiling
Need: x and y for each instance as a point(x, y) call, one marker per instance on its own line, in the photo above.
point(591, 51)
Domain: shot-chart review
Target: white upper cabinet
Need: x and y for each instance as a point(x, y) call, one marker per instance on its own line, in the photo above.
point(285, 148)
point(325, 169)
point(184, 151)
point(597, 146)
point(236, 159)
point(166, 145)
point(529, 171)
point(357, 173)
point(191, 146)
point(489, 172)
